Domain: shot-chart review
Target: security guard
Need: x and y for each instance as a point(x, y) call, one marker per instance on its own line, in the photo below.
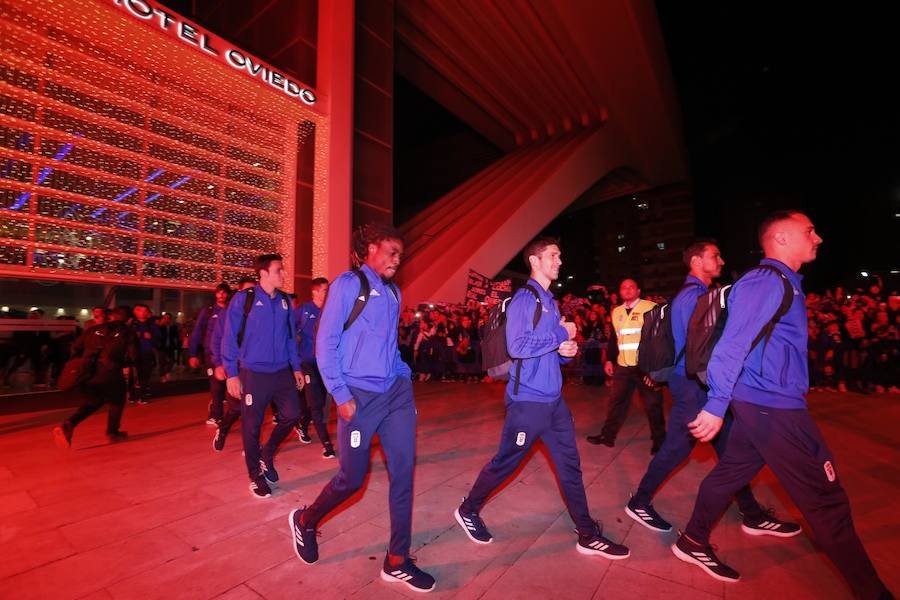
point(262, 362)
point(627, 320)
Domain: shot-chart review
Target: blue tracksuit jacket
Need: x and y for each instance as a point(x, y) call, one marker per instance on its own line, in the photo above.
point(305, 317)
point(366, 356)
point(778, 378)
point(541, 378)
point(269, 343)
point(203, 330)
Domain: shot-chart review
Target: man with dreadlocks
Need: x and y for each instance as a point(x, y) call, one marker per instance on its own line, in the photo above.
point(359, 360)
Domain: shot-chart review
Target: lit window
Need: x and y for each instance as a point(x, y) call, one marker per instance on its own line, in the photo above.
point(621, 236)
point(621, 249)
point(660, 245)
point(643, 206)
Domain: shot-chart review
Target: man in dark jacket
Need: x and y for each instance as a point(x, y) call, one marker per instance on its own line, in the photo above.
point(113, 347)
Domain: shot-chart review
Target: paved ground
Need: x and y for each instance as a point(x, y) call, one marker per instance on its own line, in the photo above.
point(162, 516)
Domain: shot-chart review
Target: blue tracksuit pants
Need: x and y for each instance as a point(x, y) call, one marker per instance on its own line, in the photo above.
point(526, 423)
point(392, 415)
point(688, 399)
point(261, 389)
point(790, 443)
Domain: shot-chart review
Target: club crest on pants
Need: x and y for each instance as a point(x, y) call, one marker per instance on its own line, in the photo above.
point(520, 439)
point(248, 400)
point(355, 439)
point(829, 471)
point(307, 379)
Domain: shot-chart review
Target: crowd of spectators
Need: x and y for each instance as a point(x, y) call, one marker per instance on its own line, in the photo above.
point(853, 342)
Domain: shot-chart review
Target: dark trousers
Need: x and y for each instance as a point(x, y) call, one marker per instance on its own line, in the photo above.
point(526, 423)
point(688, 399)
point(96, 393)
point(624, 381)
point(312, 404)
point(392, 415)
point(144, 369)
point(790, 443)
point(231, 414)
point(217, 390)
point(259, 390)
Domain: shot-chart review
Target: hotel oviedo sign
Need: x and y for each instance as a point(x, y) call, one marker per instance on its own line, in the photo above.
point(215, 47)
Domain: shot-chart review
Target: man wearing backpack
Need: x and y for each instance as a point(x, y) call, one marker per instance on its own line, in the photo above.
point(359, 360)
point(621, 366)
point(538, 340)
point(262, 363)
point(201, 335)
point(112, 347)
point(765, 385)
point(688, 398)
point(312, 408)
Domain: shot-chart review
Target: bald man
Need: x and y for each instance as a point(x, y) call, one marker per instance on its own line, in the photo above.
point(621, 365)
point(765, 386)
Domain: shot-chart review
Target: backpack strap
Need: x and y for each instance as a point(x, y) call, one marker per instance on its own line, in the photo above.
point(248, 305)
point(786, 302)
point(536, 319)
point(361, 299)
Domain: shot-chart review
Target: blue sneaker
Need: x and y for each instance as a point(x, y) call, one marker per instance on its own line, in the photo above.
point(306, 544)
point(415, 578)
point(472, 524)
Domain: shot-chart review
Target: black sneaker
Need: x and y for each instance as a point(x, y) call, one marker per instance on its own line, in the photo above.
point(472, 524)
point(260, 489)
point(703, 556)
point(601, 440)
point(768, 524)
point(219, 440)
point(596, 544)
point(117, 436)
point(303, 436)
point(62, 435)
point(647, 516)
point(267, 467)
point(415, 578)
point(306, 546)
point(328, 452)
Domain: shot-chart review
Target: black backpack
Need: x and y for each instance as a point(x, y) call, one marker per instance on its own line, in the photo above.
point(656, 352)
point(248, 306)
point(494, 356)
point(362, 299)
point(708, 322)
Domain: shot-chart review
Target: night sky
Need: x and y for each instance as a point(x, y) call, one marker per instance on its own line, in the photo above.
point(783, 107)
point(788, 107)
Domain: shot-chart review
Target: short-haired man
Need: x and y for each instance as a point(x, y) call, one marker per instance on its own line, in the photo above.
point(98, 317)
point(766, 386)
point(233, 404)
point(312, 408)
point(113, 347)
point(361, 367)
point(201, 336)
point(261, 360)
point(535, 408)
point(704, 263)
point(621, 365)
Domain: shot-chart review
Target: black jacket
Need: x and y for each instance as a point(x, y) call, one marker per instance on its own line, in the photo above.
point(113, 344)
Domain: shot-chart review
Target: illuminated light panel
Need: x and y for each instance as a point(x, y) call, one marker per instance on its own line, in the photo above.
point(127, 157)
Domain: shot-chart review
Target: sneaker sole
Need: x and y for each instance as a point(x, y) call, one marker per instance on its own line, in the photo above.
point(459, 520)
point(752, 531)
point(592, 552)
point(294, 539)
point(392, 579)
point(328, 457)
point(637, 518)
point(258, 497)
point(59, 438)
point(686, 558)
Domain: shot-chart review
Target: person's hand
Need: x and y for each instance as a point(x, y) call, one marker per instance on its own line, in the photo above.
point(608, 368)
point(193, 362)
point(347, 410)
point(568, 349)
point(233, 385)
point(651, 384)
point(299, 379)
point(570, 328)
point(219, 373)
point(705, 426)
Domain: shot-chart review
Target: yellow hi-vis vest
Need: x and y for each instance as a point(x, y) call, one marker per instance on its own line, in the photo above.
point(628, 330)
